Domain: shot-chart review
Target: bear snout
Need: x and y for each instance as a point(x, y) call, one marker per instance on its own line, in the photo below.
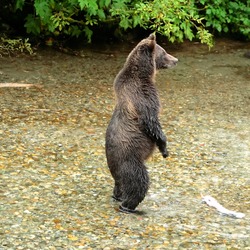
point(175, 61)
point(172, 61)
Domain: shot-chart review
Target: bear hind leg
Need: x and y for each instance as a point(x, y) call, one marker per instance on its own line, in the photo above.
point(135, 185)
point(117, 192)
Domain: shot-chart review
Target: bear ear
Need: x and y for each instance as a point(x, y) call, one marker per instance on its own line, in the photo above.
point(152, 37)
point(152, 41)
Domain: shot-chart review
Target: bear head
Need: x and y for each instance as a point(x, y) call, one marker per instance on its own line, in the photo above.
point(149, 53)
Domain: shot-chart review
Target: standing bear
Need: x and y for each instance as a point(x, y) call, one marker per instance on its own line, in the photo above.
point(134, 129)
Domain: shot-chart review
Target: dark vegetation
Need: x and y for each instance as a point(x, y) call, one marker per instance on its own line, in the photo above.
point(53, 20)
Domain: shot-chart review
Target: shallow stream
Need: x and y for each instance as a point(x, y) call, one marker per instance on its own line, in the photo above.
point(55, 188)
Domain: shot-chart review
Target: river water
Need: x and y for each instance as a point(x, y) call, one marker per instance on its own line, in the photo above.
point(55, 186)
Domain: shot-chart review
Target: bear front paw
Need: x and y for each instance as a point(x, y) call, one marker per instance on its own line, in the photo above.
point(165, 154)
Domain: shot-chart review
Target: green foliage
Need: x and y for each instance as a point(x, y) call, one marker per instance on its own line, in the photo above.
point(227, 16)
point(64, 17)
point(19, 4)
point(12, 46)
point(177, 20)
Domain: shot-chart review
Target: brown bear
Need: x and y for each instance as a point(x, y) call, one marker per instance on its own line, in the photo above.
point(134, 129)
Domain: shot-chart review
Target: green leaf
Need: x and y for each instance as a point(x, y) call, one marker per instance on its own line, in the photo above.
point(32, 25)
point(19, 4)
point(92, 7)
point(88, 33)
point(101, 14)
point(104, 3)
point(124, 23)
point(75, 31)
point(107, 3)
point(136, 20)
point(43, 10)
point(83, 3)
point(208, 11)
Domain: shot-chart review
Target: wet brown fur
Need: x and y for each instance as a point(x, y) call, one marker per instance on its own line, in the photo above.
point(134, 129)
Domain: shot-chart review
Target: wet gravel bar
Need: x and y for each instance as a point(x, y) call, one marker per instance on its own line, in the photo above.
point(55, 188)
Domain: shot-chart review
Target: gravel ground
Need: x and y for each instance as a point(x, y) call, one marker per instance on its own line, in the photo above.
point(55, 188)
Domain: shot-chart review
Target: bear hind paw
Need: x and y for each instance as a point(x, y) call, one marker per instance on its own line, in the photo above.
point(127, 210)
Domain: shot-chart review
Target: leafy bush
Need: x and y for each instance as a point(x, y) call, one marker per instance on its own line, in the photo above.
point(177, 20)
point(70, 17)
point(227, 16)
point(12, 46)
point(174, 19)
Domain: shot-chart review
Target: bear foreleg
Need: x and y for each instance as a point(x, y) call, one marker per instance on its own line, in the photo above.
point(152, 128)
